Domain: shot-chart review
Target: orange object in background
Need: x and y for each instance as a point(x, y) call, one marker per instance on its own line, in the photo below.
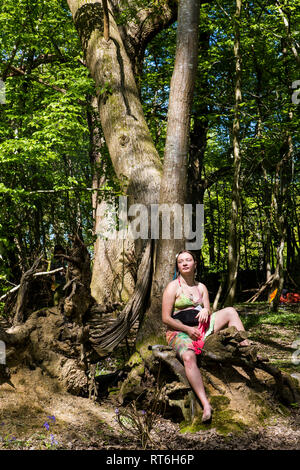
point(272, 295)
point(289, 298)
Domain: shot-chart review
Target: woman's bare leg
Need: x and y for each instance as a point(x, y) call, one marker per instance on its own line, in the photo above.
point(194, 377)
point(229, 317)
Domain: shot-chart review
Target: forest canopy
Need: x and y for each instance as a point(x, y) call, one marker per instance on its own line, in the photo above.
point(48, 124)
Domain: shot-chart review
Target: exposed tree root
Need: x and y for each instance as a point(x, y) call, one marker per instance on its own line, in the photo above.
point(67, 340)
point(107, 340)
point(221, 360)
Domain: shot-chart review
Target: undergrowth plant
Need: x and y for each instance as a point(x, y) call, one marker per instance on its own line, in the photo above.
point(137, 422)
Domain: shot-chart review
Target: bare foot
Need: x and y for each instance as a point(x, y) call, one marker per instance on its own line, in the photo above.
point(206, 416)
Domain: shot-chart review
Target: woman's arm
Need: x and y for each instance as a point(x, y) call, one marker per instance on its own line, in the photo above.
point(168, 301)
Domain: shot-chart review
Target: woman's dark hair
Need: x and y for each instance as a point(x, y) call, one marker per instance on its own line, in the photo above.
point(180, 252)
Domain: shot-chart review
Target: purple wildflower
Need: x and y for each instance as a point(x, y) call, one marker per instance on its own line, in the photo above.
point(52, 418)
point(53, 441)
point(46, 425)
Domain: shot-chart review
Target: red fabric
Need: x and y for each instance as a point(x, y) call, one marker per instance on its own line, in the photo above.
point(198, 345)
point(290, 298)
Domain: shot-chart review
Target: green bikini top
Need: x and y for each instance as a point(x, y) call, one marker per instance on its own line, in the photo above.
point(182, 301)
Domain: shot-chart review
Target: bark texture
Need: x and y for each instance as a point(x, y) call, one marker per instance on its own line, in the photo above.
point(132, 152)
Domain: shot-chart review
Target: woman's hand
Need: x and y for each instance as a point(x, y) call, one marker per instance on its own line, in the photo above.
point(203, 315)
point(193, 332)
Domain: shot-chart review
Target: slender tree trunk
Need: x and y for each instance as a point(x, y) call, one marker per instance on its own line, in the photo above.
point(198, 138)
point(226, 217)
point(279, 205)
point(283, 178)
point(268, 256)
point(296, 219)
point(219, 229)
point(211, 232)
point(289, 248)
point(245, 237)
point(266, 194)
point(267, 229)
point(295, 234)
point(287, 26)
point(234, 242)
point(175, 158)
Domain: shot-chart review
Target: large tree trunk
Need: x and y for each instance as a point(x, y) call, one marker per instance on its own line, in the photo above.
point(233, 241)
point(132, 152)
point(97, 162)
point(127, 136)
point(111, 281)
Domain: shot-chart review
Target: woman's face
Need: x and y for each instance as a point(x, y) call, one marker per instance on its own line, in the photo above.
point(186, 263)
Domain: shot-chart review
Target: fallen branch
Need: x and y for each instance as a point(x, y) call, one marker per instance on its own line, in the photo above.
point(260, 291)
point(44, 273)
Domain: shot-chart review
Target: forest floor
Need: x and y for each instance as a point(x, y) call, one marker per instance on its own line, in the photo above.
point(37, 415)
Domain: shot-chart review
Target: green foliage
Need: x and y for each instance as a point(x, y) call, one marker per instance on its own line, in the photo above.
point(45, 133)
point(280, 318)
point(288, 319)
point(267, 117)
point(45, 140)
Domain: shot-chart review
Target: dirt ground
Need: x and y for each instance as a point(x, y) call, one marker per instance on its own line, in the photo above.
point(37, 415)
